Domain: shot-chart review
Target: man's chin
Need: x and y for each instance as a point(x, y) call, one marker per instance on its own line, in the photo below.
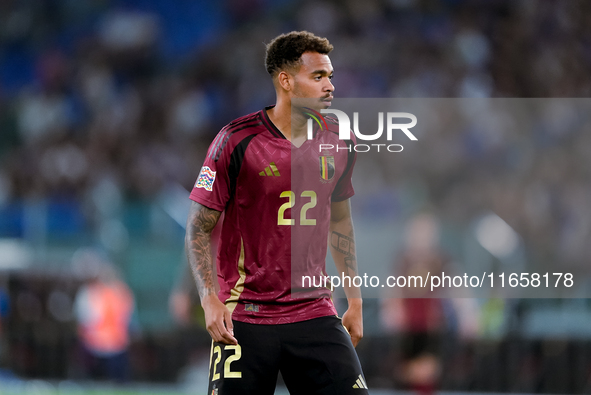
point(323, 104)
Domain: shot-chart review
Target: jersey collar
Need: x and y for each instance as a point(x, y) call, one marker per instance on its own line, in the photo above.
point(270, 125)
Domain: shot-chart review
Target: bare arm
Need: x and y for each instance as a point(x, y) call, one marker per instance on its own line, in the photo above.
point(200, 224)
point(342, 248)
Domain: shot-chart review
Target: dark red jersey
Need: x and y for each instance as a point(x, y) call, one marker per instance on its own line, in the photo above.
point(276, 199)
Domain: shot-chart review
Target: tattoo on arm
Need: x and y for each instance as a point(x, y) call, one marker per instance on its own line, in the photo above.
point(346, 246)
point(200, 224)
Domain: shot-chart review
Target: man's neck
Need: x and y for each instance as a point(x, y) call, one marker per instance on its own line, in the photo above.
point(293, 128)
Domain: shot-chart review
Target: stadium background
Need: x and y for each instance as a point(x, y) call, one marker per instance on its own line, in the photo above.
point(107, 108)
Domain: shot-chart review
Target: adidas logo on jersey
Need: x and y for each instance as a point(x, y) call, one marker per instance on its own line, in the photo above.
point(360, 383)
point(270, 170)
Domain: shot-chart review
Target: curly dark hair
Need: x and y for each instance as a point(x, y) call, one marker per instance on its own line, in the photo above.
point(285, 51)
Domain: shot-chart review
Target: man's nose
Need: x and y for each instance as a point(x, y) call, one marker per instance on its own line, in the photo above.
point(329, 86)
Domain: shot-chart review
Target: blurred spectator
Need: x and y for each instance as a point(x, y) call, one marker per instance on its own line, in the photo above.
point(104, 308)
point(422, 321)
point(184, 302)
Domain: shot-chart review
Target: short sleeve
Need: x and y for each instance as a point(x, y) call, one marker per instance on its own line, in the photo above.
point(211, 188)
point(344, 188)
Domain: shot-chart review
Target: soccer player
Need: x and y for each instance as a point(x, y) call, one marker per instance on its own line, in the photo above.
point(283, 199)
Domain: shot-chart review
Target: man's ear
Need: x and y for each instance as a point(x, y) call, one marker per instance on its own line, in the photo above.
point(285, 80)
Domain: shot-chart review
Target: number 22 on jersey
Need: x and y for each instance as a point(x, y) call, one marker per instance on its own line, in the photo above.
point(281, 220)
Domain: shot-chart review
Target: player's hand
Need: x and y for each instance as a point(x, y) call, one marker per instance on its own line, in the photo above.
point(218, 320)
point(353, 321)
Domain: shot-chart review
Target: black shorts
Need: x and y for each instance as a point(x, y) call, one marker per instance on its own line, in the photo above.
point(314, 357)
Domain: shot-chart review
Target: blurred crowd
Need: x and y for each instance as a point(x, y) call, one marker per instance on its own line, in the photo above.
point(107, 102)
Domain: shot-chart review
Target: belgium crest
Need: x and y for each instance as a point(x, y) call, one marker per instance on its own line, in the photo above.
point(327, 167)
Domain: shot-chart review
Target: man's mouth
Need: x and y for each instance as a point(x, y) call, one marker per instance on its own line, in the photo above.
point(327, 100)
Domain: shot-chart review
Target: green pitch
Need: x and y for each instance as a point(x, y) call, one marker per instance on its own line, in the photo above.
point(41, 387)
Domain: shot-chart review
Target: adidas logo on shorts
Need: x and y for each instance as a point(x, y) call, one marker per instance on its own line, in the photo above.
point(360, 383)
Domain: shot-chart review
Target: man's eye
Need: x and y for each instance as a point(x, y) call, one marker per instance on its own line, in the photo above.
point(330, 77)
point(318, 78)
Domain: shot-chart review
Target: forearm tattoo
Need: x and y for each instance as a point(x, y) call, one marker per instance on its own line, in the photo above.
point(346, 246)
point(201, 222)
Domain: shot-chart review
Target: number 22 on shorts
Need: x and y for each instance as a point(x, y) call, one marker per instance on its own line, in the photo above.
point(228, 373)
